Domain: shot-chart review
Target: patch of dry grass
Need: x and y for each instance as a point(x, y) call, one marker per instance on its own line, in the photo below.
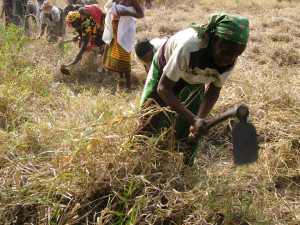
point(67, 151)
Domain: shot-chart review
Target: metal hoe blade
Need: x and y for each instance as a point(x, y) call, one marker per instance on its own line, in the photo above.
point(65, 71)
point(245, 144)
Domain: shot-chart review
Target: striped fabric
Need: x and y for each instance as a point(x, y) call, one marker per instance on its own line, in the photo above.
point(117, 58)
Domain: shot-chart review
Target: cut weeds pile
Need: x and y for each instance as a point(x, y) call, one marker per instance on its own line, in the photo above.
point(67, 151)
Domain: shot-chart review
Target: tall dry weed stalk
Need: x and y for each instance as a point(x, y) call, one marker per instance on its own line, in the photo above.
point(69, 156)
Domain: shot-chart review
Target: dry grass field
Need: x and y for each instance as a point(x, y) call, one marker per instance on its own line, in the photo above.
point(67, 151)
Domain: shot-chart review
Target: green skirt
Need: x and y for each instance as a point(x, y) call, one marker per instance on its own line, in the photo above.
point(190, 95)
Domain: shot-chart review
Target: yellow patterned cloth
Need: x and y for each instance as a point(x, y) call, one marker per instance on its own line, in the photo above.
point(72, 16)
point(117, 58)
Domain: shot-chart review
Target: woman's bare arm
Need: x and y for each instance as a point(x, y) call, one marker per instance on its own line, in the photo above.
point(84, 44)
point(210, 98)
point(165, 91)
point(139, 11)
point(197, 123)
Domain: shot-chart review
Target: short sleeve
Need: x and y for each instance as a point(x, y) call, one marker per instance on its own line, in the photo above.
point(177, 63)
point(222, 80)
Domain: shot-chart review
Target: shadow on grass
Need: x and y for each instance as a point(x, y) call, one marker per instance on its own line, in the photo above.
point(88, 74)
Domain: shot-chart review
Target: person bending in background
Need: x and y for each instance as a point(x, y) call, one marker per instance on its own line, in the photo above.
point(119, 33)
point(7, 10)
point(52, 18)
point(89, 24)
point(146, 49)
point(202, 54)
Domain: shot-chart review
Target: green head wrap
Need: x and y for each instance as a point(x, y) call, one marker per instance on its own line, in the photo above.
point(229, 27)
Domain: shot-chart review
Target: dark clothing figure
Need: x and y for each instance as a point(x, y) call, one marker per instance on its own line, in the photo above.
point(7, 10)
point(19, 12)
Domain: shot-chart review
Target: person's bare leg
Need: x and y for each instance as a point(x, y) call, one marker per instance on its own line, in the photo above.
point(121, 83)
point(128, 79)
